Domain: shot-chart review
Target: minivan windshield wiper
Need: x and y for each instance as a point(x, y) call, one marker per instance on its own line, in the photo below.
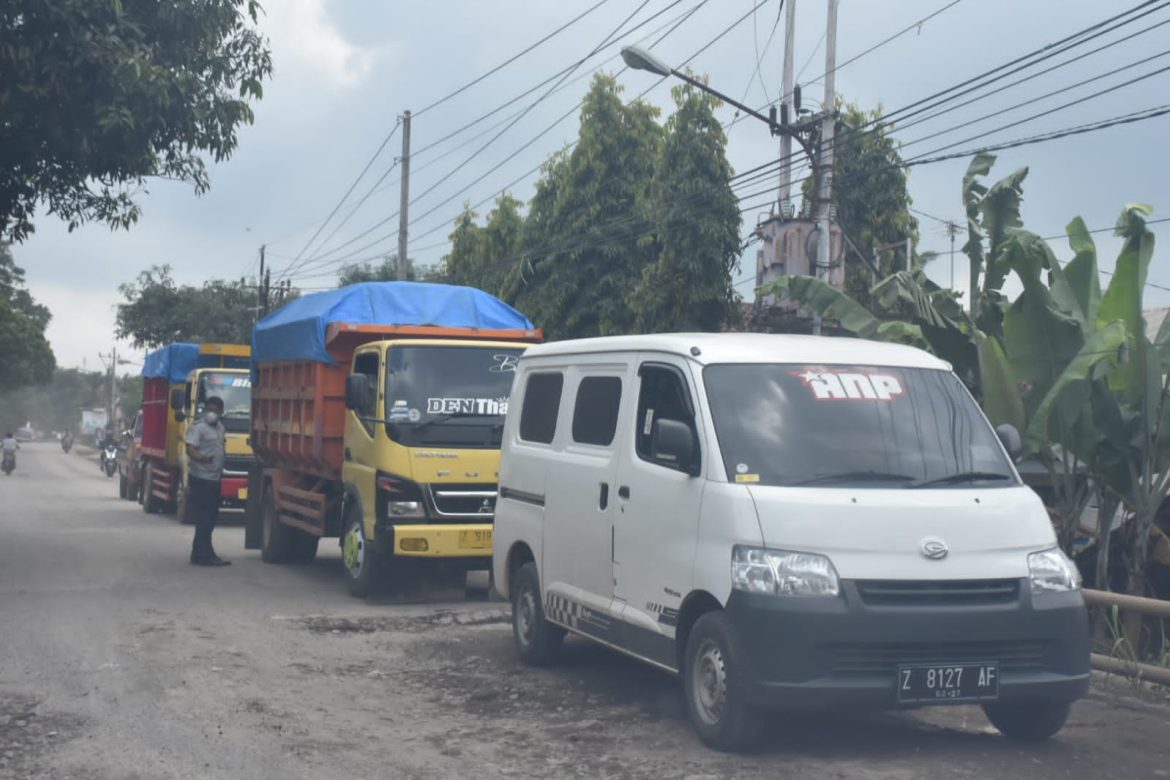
point(852, 476)
point(962, 476)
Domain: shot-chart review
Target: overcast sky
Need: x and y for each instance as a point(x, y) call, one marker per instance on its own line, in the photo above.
point(345, 70)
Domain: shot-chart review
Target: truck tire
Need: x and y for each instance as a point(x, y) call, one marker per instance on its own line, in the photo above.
point(150, 502)
point(304, 546)
point(123, 488)
point(537, 641)
point(276, 543)
point(361, 559)
point(714, 697)
point(1030, 721)
point(181, 506)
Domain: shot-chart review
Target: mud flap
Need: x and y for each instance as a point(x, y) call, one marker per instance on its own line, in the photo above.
point(253, 533)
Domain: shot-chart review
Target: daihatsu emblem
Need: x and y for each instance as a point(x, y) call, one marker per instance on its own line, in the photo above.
point(935, 549)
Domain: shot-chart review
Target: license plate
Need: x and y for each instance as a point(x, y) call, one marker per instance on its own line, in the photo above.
point(475, 540)
point(242, 494)
point(948, 682)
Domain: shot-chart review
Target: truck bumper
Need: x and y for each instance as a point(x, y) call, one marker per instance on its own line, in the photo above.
point(233, 491)
point(464, 540)
point(828, 653)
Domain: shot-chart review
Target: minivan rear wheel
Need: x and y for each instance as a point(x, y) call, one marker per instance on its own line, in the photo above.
point(537, 640)
point(1028, 721)
point(714, 694)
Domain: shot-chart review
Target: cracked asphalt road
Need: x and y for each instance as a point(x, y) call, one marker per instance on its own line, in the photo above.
point(118, 660)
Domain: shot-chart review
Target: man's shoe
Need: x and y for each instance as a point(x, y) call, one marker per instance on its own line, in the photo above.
point(210, 562)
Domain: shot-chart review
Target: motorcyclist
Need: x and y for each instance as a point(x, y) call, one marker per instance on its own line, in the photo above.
point(9, 445)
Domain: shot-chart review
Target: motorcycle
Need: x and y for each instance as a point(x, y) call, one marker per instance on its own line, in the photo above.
point(9, 463)
point(110, 460)
point(66, 443)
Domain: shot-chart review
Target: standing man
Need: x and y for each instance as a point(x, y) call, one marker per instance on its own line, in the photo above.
point(205, 455)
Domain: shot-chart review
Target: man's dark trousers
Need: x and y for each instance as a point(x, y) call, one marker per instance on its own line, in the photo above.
point(202, 507)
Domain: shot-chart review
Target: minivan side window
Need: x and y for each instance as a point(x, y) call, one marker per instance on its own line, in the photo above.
point(595, 413)
point(367, 364)
point(542, 399)
point(663, 396)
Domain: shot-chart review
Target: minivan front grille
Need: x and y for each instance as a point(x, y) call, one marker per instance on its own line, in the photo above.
point(463, 502)
point(886, 657)
point(910, 593)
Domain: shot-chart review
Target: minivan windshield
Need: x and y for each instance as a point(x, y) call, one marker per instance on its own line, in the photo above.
point(448, 396)
point(851, 426)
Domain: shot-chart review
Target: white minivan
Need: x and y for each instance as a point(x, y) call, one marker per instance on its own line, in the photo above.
point(787, 522)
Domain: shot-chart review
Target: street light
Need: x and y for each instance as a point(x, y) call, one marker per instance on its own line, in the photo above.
point(639, 58)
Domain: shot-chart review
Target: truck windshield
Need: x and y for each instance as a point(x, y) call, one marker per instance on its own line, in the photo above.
point(851, 426)
point(236, 391)
point(439, 396)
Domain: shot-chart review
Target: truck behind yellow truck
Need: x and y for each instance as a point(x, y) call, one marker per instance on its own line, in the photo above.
point(178, 378)
point(376, 419)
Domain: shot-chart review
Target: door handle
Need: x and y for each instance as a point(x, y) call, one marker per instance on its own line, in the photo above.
point(348, 454)
point(604, 501)
point(624, 492)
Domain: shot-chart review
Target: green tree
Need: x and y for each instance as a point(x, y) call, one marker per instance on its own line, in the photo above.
point(25, 354)
point(696, 218)
point(156, 311)
point(459, 265)
point(870, 196)
point(584, 254)
point(97, 97)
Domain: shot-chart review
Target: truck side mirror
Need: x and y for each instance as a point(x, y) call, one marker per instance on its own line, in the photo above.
point(673, 443)
point(357, 390)
point(1010, 438)
point(177, 399)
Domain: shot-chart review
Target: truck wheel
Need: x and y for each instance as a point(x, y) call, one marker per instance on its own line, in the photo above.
point(1030, 721)
point(181, 506)
point(150, 502)
point(714, 696)
point(304, 546)
point(276, 541)
point(537, 641)
point(123, 488)
point(359, 556)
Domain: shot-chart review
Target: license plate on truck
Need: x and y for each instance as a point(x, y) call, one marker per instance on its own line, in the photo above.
point(924, 683)
point(475, 540)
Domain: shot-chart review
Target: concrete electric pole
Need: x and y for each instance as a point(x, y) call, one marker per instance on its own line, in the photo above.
point(404, 204)
point(825, 154)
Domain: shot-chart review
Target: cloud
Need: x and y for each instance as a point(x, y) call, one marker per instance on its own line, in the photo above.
point(82, 325)
point(306, 40)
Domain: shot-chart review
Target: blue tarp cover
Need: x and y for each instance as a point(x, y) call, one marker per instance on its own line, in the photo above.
point(174, 361)
point(297, 331)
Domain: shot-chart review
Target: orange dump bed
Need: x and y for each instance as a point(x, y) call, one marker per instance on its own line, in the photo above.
point(298, 406)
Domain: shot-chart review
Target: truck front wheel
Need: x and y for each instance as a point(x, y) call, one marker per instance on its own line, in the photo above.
point(276, 539)
point(359, 556)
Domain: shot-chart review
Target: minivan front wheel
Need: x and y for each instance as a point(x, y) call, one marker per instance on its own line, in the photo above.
point(537, 640)
point(714, 696)
point(1028, 721)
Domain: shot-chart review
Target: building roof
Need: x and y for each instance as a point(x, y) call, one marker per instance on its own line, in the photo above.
point(751, 348)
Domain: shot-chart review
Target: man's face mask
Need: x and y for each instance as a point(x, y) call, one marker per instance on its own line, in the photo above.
point(211, 416)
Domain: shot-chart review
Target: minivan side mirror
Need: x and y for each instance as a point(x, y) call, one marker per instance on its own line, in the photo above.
point(1010, 438)
point(357, 390)
point(178, 398)
point(673, 442)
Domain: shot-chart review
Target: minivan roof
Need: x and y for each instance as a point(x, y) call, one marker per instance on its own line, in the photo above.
point(750, 348)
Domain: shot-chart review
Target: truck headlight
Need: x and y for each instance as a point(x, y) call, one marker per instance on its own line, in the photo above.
point(783, 573)
point(402, 498)
point(1052, 572)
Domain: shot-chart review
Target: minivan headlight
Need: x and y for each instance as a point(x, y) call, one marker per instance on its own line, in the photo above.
point(783, 573)
point(1052, 572)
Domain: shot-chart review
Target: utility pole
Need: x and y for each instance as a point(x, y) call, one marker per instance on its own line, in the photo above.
point(404, 200)
point(261, 293)
point(825, 155)
point(786, 99)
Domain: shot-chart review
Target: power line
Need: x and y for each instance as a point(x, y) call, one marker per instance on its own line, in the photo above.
point(511, 59)
point(756, 44)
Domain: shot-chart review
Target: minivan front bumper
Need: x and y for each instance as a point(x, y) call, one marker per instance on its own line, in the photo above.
point(803, 653)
